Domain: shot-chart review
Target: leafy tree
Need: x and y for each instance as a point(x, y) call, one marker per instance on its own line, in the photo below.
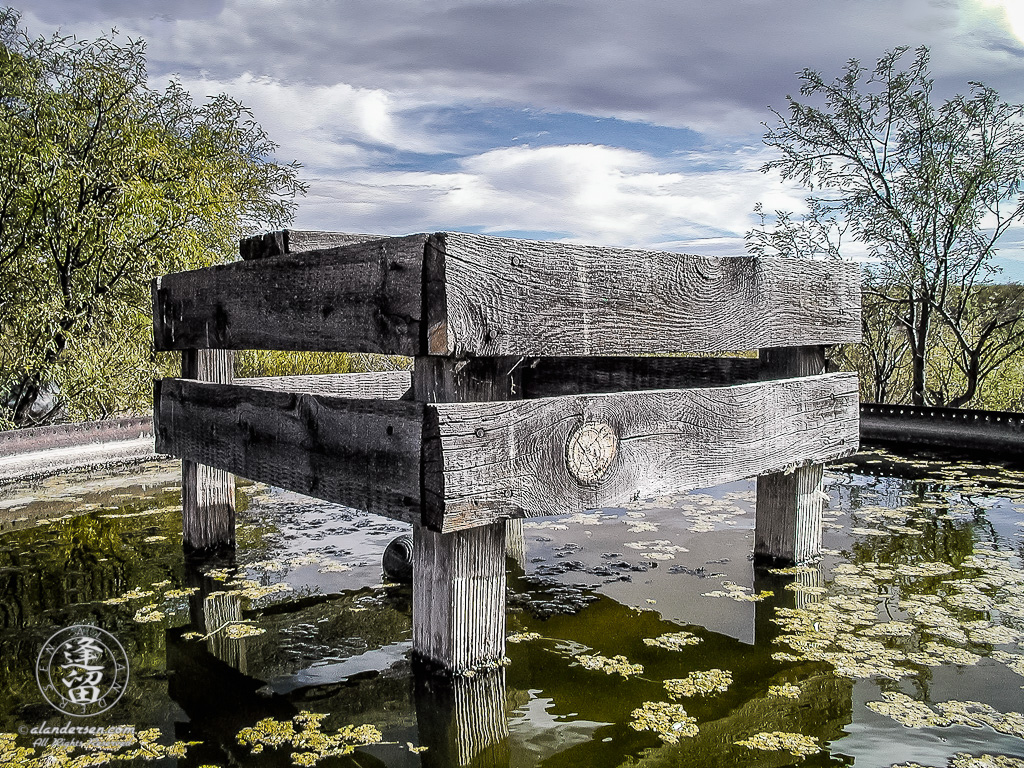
point(105, 183)
point(927, 190)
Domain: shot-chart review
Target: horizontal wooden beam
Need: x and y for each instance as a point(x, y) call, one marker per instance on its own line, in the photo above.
point(471, 464)
point(489, 296)
point(567, 454)
point(357, 452)
point(465, 295)
point(355, 298)
point(383, 385)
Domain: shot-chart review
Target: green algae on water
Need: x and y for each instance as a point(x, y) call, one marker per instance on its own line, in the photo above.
point(775, 741)
point(308, 743)
point(615, 665)
point(699, 683)
point(669, 721)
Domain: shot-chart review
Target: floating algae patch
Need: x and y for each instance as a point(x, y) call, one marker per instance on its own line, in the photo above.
point(700, 683)
point(673, 641)
point(303, 737)
point(915, 714)
point(522, 637)
point(115, 746)
point(784, 691)
point(777, 741)
point(739, 593)
point(617, 665)
point(669, 721)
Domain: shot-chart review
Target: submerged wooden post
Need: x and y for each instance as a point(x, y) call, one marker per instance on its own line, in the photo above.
point(458, 579)
point(207, 494)
point(787, 525)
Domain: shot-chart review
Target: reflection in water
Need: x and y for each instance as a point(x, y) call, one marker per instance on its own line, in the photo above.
point(461, 721)
point(924, 571)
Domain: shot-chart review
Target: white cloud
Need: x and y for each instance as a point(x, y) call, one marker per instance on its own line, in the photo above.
point(585, 193)
point(333, 127)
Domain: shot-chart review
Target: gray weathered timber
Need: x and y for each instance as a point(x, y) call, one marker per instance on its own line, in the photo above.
point(554, 376)
point(487, 296)
point(296, 241)
point(207, 493)
point(382, 385)
point(358, 452)
point(478, 379)
point(355, 298)
point(567, 454)
point(459, 596)
point(787, 526)
point(495, 296)
point(458, 578)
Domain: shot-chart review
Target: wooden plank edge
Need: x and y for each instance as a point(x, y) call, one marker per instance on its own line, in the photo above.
point(396, 328)
point(383, 385)
point(286, 241)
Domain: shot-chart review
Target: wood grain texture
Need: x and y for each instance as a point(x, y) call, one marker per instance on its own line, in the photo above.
point(787, 526)
point(296, 241)
point(510, 459)
point(361, 453)
point(355, 298)
point(459, 597)
point(207, 493)
point(458, 578)
point(382, 385)
point(496, 296)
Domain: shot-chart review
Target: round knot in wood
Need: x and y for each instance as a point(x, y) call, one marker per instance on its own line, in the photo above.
point(590, 451)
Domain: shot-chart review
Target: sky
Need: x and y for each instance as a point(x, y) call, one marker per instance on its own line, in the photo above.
point(633, 123)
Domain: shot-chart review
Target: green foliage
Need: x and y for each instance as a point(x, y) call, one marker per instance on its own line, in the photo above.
point(104, 184)
point(927, 191)
point(990, 323)
point(274, 363)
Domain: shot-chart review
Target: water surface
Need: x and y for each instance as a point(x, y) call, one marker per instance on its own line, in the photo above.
point(639, 636)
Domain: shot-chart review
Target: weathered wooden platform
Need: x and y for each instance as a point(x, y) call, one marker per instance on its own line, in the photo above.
point(547, 378)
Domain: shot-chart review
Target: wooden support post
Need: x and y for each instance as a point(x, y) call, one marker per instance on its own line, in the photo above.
point(458, 587)
point(207, 494)
point(459, 578)
point(789, 504)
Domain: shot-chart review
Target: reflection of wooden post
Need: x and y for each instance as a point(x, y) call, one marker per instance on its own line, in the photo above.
point(459, 578)
point(207, 494)
point(788, 517)
point(765, 628)
point(219, 611)
point(462, 720)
